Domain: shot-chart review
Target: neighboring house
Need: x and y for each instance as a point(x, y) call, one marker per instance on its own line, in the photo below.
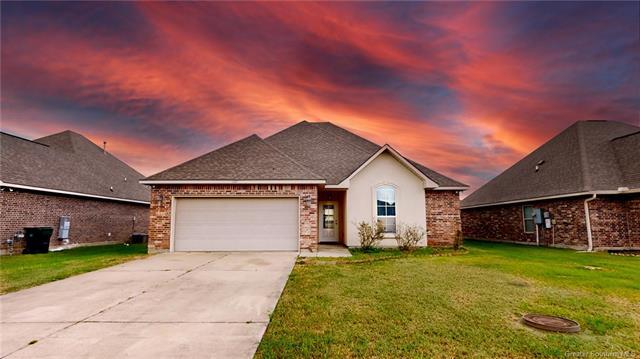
point(310, 183)
point(66, 175)
point(587, 180)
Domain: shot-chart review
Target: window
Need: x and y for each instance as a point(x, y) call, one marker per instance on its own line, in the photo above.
point(386, 208)
point(328, 220)
point(527, 214)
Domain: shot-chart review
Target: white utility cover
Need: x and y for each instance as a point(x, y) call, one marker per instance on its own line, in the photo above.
point(236, 224)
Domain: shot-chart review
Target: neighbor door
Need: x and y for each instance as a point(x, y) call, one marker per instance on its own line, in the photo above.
point(329, 222)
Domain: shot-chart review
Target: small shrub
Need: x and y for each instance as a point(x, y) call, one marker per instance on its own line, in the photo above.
point(458, 241)
point(370, 234)
point(408, 236)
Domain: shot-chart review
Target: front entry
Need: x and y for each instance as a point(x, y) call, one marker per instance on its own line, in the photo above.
point(328, 222)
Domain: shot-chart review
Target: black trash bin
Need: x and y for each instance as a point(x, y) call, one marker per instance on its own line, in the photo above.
point(37, 239)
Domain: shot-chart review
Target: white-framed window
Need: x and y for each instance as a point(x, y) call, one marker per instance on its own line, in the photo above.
point(386, 207)
point(527, 215)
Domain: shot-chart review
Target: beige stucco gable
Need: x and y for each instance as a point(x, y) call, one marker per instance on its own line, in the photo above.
point(384, 169)
point(386, 149)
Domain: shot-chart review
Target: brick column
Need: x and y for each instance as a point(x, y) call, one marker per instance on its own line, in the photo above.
point(159, 220)
point(443, 217)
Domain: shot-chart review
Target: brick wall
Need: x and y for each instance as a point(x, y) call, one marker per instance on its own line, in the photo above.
point(91, 219)
point(161, 195)
point(614, 223)
point(443, 217)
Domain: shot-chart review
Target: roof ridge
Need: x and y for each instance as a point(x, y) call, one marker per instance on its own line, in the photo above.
point(586, 179)
point(24, 139)
point(336, 136)
point(286, 128)
point(623, 136)
point(292, 160)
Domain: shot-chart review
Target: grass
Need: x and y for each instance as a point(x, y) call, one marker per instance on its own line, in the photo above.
point(24, 271)
point(426, 305)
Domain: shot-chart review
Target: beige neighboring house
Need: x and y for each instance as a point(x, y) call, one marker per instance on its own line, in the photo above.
point(307, 184)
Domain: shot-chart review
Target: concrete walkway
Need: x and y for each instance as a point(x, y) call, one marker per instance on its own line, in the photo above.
point(191, 305)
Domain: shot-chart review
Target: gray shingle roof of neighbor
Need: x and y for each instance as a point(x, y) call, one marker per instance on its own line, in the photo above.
point(304, 151)
point(68, 161)
point(587, 156)
point(248, 159)
point(626, 150)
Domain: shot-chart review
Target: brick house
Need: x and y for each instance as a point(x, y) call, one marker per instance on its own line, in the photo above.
point(309, 183)
point(66, 175)
point(586, 183)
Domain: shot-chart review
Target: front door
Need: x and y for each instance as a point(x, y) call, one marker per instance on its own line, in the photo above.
point(328, 222)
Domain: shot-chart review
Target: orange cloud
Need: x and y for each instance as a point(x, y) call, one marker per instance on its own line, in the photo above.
point(464, 88)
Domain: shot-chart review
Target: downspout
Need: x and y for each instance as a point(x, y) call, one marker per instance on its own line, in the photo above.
point(588, 220)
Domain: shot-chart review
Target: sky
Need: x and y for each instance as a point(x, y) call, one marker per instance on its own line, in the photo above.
point(466, 89)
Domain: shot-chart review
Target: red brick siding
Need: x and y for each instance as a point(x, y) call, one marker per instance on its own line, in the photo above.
point(161, 195)
point(443, 217)
point(614, 222)
point(634, 219)
point(91, 219)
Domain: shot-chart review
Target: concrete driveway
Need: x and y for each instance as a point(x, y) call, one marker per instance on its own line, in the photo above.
point(166, 306)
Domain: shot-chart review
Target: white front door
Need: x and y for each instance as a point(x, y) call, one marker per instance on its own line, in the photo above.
point(329, 222)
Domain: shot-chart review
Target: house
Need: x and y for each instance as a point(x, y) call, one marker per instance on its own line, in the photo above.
point(65, 176)
point(309, 183)
point(585, 183)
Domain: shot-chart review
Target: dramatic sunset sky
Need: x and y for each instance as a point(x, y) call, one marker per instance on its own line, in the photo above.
point(466, 89)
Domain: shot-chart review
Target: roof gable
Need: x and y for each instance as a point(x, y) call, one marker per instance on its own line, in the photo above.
point(428, 183)
point(580, 159)
point(68, 162)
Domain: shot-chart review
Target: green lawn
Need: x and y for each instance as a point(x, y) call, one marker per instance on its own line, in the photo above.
point(24, 271)
point(423, 305)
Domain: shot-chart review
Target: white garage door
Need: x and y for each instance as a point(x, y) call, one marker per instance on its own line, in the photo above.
point(236, 224)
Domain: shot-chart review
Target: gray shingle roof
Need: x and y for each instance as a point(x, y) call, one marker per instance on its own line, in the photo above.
point(626, 150)
point(337, 152)
point(440, 179)
point(67, 161)
point(585, 157)
point(318, 150)
point(248, 159)
point(324, 149)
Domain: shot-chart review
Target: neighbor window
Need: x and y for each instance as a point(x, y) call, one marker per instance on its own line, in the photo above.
point(527, 214)
point(386, 208)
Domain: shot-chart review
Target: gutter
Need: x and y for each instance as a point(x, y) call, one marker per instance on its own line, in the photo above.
point(70, 193)
point(588, 221)
point(152, 182)
point(621, 190)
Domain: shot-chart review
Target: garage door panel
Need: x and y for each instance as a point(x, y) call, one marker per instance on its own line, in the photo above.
point(235, 224)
